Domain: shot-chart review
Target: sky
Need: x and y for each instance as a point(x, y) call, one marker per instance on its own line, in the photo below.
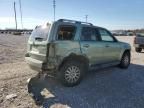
point(111, 14)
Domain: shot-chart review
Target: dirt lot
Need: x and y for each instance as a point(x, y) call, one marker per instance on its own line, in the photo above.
point(107, 88)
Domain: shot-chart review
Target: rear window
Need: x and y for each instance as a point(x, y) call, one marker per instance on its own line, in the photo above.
point(40, 33)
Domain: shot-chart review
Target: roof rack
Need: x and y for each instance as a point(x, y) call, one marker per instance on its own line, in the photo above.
point(73, 21)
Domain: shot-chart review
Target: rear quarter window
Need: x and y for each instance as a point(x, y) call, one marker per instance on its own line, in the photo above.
point(66, 32)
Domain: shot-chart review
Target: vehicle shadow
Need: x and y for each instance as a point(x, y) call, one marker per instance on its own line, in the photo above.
point(108, 88)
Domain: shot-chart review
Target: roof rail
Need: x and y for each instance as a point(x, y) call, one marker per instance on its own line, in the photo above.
point(86, 23)
point(73, 21)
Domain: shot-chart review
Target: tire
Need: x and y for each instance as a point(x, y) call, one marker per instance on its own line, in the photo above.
point(125, 61)
point(71, 73)
point(138, 50)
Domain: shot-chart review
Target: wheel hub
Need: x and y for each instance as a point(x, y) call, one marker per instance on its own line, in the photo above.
point(72, 74)
point(126, 60)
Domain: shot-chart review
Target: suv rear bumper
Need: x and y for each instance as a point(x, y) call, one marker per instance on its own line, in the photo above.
point(139, 45)
point(34, 64)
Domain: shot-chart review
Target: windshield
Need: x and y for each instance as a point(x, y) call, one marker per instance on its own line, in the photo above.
point(40, 33)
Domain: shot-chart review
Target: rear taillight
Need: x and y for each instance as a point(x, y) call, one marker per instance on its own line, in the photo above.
point(134, 39)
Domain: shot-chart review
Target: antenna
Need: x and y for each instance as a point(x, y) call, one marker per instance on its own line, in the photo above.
point(86, 17)
point(15, 14)
point(54, 6)
point(21, 13)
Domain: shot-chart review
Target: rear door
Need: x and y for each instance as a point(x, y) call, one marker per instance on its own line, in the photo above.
point(91, 45)
point(111, 47)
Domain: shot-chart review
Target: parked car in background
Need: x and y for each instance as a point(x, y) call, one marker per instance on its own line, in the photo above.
point(70, 48)
point(130, 34)
point(122, 33)
point(139, 42)
point(119, 33)
point(114, 33)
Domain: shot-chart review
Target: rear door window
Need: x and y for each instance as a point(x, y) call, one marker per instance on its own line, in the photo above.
point(89, 34)
point(66, 32)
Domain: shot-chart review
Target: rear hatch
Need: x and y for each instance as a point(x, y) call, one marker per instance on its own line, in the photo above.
point(38, 43)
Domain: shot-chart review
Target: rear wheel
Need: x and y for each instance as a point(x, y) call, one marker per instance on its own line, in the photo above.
point(138, 49)
point(125, 61)
point(71, 73)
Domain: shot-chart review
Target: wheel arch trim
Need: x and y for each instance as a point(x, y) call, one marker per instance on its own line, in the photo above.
point(73, 56)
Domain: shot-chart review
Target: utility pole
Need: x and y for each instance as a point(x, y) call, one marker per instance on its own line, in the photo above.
point(54, 6)
point(15, 14)
point(21, 13)
point(86, 17)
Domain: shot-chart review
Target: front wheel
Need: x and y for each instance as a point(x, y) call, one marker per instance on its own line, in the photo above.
point(125, 61)
point(71, 73)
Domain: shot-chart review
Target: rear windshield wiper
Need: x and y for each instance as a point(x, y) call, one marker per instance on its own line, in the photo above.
point(39, 38)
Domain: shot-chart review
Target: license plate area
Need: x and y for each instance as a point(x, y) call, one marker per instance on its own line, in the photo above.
point(34, 48)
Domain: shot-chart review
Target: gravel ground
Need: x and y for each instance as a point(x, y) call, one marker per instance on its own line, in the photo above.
point(105, 88)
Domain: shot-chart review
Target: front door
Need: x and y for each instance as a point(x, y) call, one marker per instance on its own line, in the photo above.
point(111, 49)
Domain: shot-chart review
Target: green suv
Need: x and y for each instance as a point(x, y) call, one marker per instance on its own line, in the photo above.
point(70, 48)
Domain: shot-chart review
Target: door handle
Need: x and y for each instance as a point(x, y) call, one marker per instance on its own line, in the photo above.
point(86, 45)
point(107, 46)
